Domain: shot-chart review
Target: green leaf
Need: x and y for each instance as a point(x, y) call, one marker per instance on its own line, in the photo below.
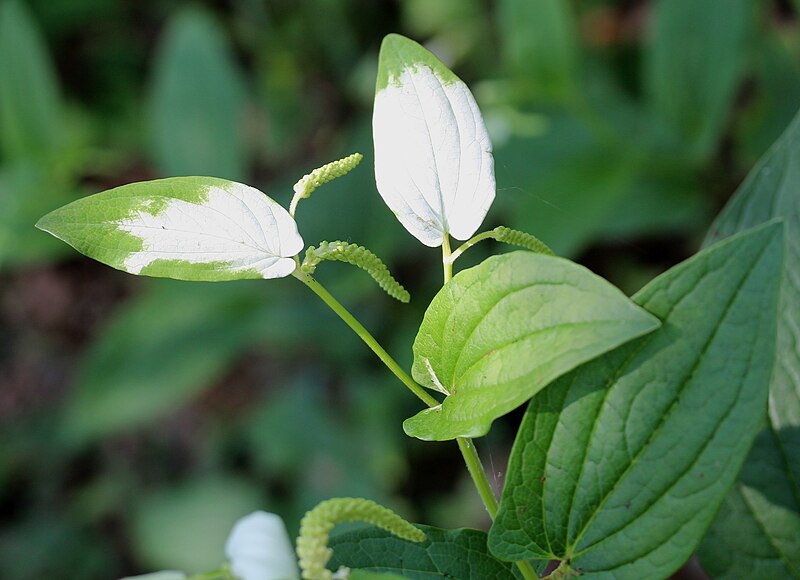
point(540, 44)
point(755, 534)
point(197, 102)
point(187, 228)
point(767, 511)
point(498, 333)
point(159, 352)
point(26, 192)
point(364, 575)
point(694, 65)
point(620, 466)
point(30, 108)
point(458, 554)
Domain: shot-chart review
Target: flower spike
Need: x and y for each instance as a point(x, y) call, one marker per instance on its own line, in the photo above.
point(322, 175)
point(358, 256)
point(315, 528)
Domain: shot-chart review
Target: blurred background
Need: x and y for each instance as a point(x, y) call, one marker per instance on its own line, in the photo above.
point(140, 418)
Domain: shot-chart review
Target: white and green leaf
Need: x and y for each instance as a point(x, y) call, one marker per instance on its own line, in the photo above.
point(433, 158)
point(188, 228)
point(498, 333)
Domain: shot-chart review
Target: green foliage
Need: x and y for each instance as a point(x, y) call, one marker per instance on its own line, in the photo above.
point(616, 127)
point(540, 45)
point(357, 256)
point(198, 101)
point(458, 554)
point(619, 467)
point(760, 522)
point(474, 340)
point(694, 66)
point(31, 121)
point(157, 354)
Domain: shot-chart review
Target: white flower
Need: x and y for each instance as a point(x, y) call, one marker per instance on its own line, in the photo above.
point(259, 548)
point(433, 157)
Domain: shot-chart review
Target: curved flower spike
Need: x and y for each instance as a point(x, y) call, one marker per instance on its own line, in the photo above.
point(188, 228)
point(433, 158)
point(259, 548)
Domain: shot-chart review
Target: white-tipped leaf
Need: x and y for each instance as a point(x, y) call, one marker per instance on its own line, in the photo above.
point(433, 158)
point(189, 228)
point(259, 548)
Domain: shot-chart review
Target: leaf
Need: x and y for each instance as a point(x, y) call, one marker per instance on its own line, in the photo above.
point(755, 534)
point(768, 507)
point(26, 192)
point(498, 333)
point(694, 65)
point(187, 228)
point(159, 352)
point(433, 158)
point(620, 466)
point(364, 575)
point(30, 107)
point(539, 44)
point(458, 554)
point(197, 101)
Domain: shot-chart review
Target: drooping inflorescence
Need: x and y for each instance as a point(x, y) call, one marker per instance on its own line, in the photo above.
point(522, 239)
point(315, 528)
point(358, 256)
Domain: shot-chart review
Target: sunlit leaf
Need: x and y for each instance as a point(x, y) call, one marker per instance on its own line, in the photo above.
point(188, 228)
point(620, 466)
point(498, 333)
point(433, 158)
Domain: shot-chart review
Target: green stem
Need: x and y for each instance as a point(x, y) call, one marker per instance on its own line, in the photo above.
point(465, 444)
point(469, 243)
point(467, 447)
point(364, 335)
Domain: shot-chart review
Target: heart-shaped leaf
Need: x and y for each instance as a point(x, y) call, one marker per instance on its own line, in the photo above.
point(444, 554)
point(433, 158)
point(620, 466)
point(188, 228)
point(760, 521)
point(498, 333)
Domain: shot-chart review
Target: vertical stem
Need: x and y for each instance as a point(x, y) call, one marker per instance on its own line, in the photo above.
point(467, 447)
